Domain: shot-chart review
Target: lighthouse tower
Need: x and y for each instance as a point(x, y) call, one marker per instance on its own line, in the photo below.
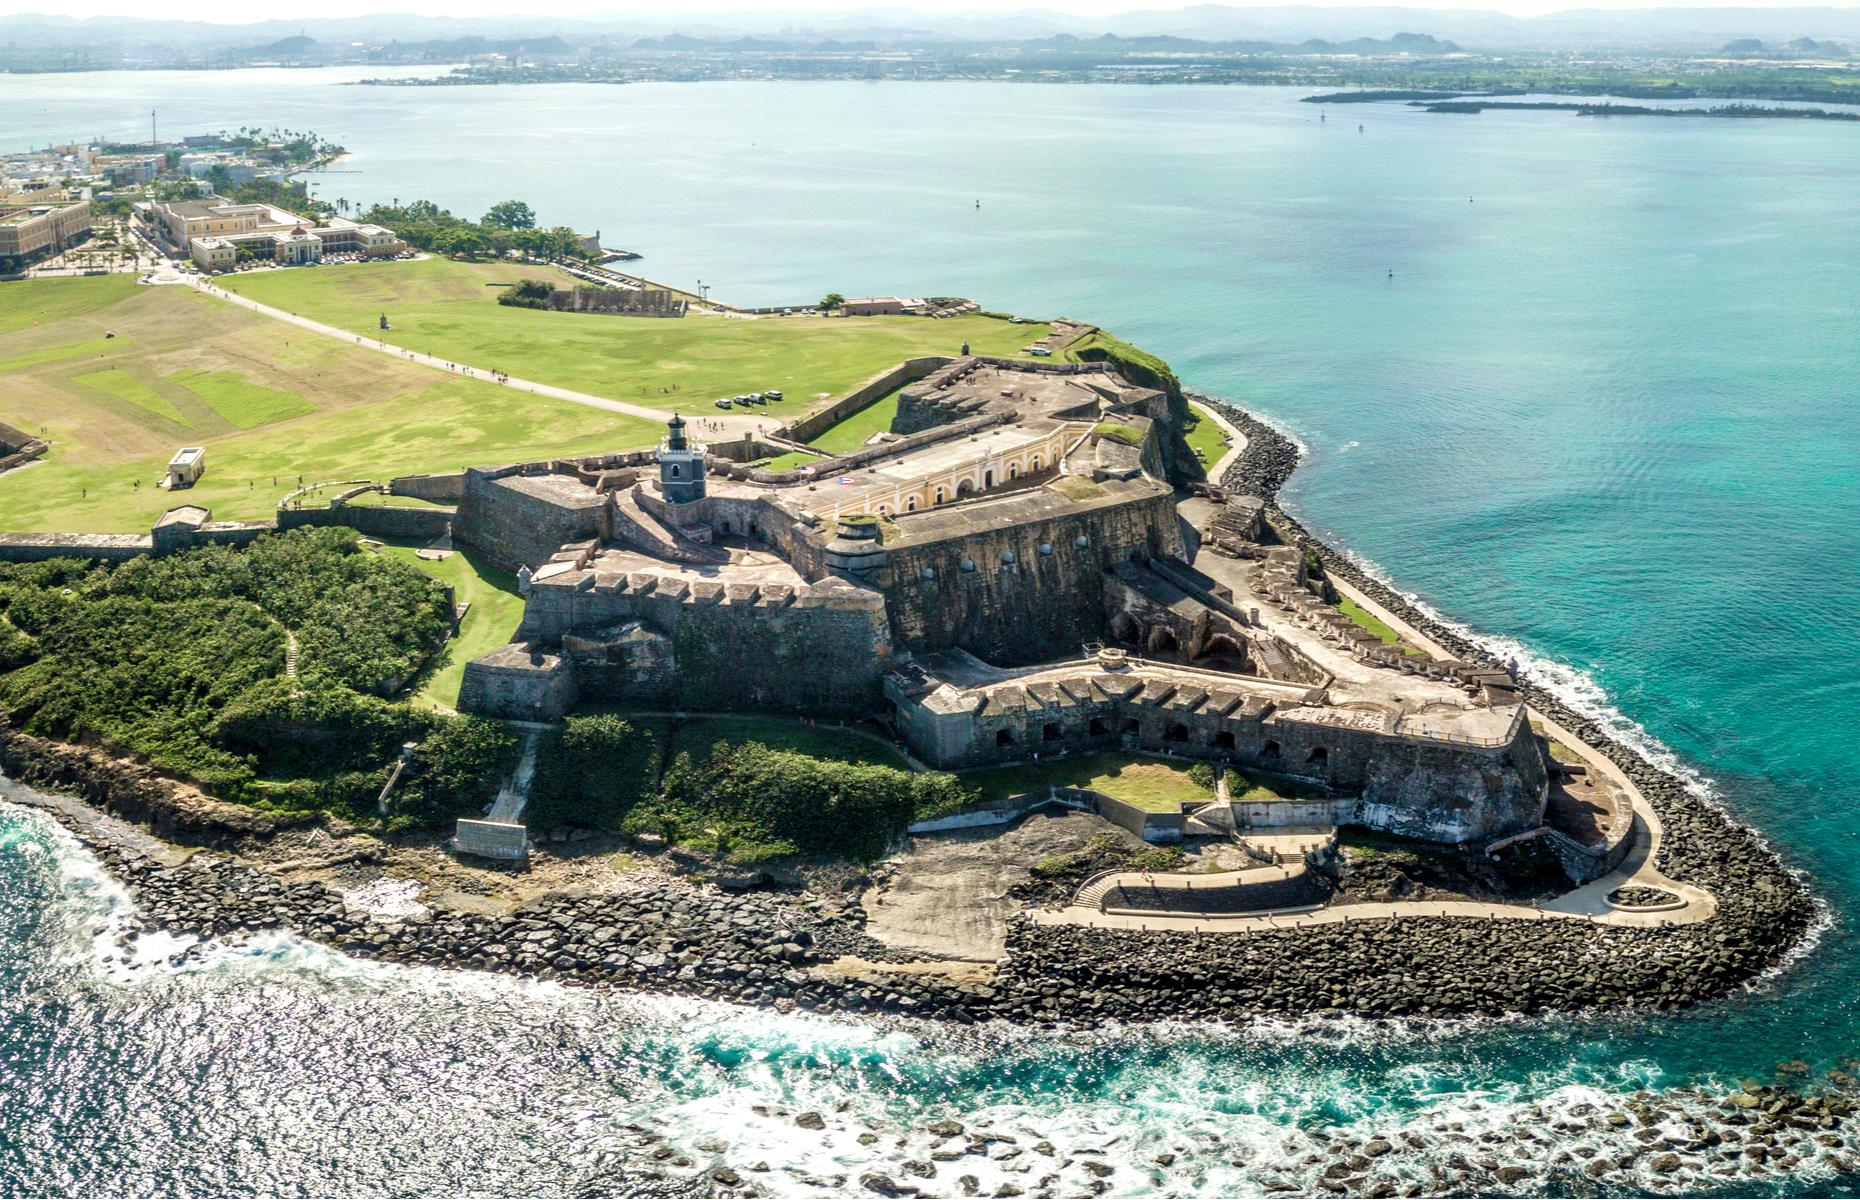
point(681, 464)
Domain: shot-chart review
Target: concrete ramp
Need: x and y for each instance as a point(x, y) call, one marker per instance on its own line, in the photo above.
point(502, 835)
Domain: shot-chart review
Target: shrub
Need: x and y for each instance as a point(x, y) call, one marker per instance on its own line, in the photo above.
point(591, 771)
point(456, 772)
point(528, 293)
point(749, 802)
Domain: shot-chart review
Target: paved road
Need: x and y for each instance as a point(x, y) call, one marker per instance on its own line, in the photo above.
point(1236, 443)
point(715, 423)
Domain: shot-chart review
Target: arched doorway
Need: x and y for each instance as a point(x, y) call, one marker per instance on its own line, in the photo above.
point(1124, 627)
point(965, 489)
point(1161, 642)
point(1005, 737)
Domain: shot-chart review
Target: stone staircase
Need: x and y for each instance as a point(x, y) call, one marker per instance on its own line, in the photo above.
point(1091, 893)
point(646, 532)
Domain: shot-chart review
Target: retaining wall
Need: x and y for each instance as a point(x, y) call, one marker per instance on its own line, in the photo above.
point(810, 427)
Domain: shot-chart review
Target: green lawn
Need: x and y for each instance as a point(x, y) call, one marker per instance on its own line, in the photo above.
point(1151, 784)
point(126, 387)
point(49, 301)
point(1205, 437)
point(270, 403)
point(854, 431)
point(242, 403)
point(789, 461)
point(1368, 620)
point(496, 610)
point(444, 308)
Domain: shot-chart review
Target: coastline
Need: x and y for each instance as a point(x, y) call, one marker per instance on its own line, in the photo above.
point(790, 952)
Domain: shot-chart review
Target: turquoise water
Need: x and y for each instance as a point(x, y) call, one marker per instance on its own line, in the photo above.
point(1608, 404)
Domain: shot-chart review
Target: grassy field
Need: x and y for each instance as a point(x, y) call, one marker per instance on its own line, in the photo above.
point(1368, 620)
point(1205, 437)
point(269, 402)
point(444, 308)
point(496, 609)
point(855, 431)
point(1148, 783)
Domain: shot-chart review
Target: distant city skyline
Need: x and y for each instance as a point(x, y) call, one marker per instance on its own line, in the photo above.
point(231, 12)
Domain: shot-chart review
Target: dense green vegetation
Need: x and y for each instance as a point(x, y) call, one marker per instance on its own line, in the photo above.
point(507, 227)
point(1139, 366)
point(743, 788)
point(527, 293)
point(182, 660)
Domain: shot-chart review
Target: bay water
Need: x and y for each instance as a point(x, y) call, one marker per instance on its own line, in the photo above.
point(1590, 387)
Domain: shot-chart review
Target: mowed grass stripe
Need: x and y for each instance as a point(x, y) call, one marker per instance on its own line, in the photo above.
point(242, 403)
point(121, 385)
point(101, 347)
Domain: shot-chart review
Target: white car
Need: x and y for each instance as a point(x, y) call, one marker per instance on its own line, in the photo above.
point(724, 403)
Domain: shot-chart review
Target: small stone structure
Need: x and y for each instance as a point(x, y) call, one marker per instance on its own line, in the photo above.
point(186, 467)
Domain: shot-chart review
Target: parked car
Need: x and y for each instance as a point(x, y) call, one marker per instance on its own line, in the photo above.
point(1039, 351)
point(757, 398)
point(772, 394)
point(724, 403)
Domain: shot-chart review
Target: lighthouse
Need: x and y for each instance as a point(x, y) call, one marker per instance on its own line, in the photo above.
point(681, 464)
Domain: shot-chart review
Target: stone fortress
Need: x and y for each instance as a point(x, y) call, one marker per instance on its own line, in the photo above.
point(1023, 564)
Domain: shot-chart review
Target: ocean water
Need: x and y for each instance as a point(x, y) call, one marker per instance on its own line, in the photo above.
point(1590, 386)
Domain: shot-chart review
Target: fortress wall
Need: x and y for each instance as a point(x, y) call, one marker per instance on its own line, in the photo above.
point(1428, 790)
point(810, 427)
point(437, 489)
point(101, 547)
point(513, 528)
point(643, 639)
point(375, 520)
point(1039, 606)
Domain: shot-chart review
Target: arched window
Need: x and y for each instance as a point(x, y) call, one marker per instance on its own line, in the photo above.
point(1013, 470)
point(910, 504)
point(939, 495)
point(988, 479)
point(677, 470)
point(1319, 757)
point(1036, 462)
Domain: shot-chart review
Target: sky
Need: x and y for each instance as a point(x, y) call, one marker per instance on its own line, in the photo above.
point(237, 12)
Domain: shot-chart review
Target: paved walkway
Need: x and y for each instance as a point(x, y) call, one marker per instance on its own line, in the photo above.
point(728, 425)
point(1236, 443)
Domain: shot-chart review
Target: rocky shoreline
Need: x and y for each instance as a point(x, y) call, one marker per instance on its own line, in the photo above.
point(760, 948)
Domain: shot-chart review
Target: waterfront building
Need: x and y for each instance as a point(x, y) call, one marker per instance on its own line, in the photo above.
point(213, 231)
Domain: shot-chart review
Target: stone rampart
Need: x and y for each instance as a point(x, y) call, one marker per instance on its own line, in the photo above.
point(868, 392)
point(100, 547)
point(657, 639)
point(519, 516)
point(1024, 590)
point(374, 520)
point(435, 489)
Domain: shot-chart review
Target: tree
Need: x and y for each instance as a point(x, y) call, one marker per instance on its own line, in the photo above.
point(511, 214)
point(831, 301)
